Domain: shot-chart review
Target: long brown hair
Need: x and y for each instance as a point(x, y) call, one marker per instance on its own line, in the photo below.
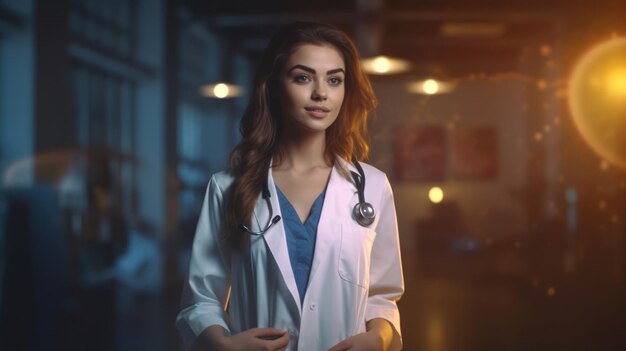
point(250, 159)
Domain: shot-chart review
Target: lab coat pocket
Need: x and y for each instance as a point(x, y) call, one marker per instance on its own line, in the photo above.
point(355, 254)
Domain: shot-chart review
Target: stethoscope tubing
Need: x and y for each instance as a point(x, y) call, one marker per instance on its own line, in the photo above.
point(363, 212)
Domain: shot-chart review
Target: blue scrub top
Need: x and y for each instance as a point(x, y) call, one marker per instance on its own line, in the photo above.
point(300, 238)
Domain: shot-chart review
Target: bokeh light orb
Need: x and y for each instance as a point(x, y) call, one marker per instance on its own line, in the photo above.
point(382, 65)
point(431, 86)
point(597, 99)
point(221, 90)
point(435, 194)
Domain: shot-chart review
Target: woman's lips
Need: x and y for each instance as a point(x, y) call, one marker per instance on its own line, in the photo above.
point(317, 111)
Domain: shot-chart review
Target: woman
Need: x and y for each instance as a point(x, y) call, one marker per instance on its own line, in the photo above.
point(279, 261)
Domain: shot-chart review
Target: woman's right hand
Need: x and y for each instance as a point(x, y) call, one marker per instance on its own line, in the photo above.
point(262, 339)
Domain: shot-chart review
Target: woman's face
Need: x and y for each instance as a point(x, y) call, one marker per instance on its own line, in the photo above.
point(313, 88)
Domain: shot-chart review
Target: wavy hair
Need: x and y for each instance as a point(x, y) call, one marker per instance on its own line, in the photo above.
point(260, 127)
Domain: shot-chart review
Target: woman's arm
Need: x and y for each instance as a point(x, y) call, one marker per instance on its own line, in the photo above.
point(386, 286)
point(386, 279)
point(206, 291)
point(378, 337)
point(382, 330)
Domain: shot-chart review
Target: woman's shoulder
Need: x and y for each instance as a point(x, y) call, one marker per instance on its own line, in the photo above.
point(377, 184)
point(372, 172)
point(222, 179)
point(374, 177)
point(345, 167)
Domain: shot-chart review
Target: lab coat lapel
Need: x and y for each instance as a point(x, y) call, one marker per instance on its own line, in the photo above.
point(339, 193)
point(275, 238)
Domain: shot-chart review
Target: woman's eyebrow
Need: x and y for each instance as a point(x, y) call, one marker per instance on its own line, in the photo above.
point(336, 70)
point(312, 71)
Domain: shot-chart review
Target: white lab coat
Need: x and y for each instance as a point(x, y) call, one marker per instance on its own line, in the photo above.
point(356, 274)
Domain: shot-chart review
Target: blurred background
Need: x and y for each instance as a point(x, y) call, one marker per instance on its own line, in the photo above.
point(501, 126)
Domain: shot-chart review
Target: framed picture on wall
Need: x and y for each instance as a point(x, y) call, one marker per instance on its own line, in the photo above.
point(473, 153)
point(419, 154)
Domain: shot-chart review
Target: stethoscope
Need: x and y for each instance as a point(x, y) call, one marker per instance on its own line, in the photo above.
point(363, 212)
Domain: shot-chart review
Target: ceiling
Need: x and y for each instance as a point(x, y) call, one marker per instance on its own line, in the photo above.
point(449, 37)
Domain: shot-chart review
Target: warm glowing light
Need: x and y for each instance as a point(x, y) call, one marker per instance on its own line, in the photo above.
point(604, 165)
point(616, 82)
point(435, 195)
point(221, 90)
point(431, 86)
point(551, 291)
point(385, 65)
point(542, 84)
point(382, 64)
point(597, 99)
point(435, 332)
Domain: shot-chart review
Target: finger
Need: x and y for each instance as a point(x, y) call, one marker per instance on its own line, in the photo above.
point(279, 343)
point(269, 333)
point(261, 332)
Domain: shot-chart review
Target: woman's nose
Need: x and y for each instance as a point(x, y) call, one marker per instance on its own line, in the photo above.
point(319, 93)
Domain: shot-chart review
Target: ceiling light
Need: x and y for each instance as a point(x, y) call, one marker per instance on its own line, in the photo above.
point(221, 90)
point(430, 86)
point(382, 65)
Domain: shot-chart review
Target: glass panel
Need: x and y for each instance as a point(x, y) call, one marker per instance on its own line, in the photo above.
point(103, 107)
point(107, 25)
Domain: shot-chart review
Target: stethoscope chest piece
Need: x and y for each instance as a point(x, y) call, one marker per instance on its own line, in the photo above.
point(364, 213)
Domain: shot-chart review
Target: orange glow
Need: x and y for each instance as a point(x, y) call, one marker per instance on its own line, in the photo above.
point(545, 50)
point(616, 82)
point(542, 84)
point(597, 99)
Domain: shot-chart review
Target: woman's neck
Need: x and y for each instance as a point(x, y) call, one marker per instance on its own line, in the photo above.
point(301, 153)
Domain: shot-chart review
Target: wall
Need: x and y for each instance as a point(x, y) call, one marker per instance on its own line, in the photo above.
point(490, 208)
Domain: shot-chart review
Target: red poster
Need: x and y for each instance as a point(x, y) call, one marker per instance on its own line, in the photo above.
point(474, 154)
point(420, 154)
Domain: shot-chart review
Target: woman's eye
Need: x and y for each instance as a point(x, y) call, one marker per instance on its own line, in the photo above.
point(335, 81)
point(302, 79)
